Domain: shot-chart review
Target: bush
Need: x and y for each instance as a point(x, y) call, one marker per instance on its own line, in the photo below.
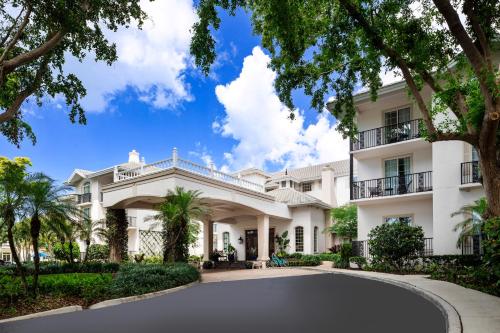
point(296, 255)
point(98, 252)
point(61, 251)
point(141, 279)
point(336, 260)
point(194, 258)
point(248, 264)
point(153, 260)
point(305, 260)
point(345, 254)
point(61, 268)
point(359, 261)
point(207, 265)
point(90, 286)
point(326, 256)
point(394, 245)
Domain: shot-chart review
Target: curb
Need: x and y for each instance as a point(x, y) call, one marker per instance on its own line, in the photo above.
point(66, 309)
point(451, 315)
point(123, 300)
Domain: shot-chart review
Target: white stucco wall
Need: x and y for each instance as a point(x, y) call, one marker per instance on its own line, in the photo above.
point(370, 216)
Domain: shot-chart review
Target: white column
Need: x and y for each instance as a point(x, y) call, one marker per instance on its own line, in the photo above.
point(208, 239)
point(263, 237)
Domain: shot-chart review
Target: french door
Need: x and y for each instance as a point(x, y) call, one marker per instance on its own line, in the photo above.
point(397, 175)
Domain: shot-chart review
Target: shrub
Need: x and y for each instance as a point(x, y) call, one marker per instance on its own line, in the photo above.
point(142, 279)
point(248, 264)
point(395, 244)
point(345, 254)
point(326, 256)
point(296, 255)
point(305, 260)
point(61, 251)
point(90, 286)
point(153, 260)
point(336, 260)
point(11, 289)
point(98, 252)
point(194, 258)
point(207, 265)
point(359, 261)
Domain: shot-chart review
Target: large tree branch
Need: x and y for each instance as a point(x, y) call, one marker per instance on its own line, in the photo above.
point(478, 31)
point(34, 54)
point(9, 31)
point(394, 56)
point(13, 109)
point(18, 33)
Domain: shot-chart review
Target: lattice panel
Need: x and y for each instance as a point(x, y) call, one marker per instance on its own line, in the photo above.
point(150, 242)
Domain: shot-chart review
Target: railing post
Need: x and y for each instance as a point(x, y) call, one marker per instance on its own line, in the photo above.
point(212, 167)
point(115, 173)
point(174, 156)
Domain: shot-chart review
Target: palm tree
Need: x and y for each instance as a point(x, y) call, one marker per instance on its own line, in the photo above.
point(12, 196)
point(178, 210)
point(86, 230)
point(66, 231)
point(473, 224)
point(44, 198)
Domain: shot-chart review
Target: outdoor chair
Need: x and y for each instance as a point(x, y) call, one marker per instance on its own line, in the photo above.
point(278, 261)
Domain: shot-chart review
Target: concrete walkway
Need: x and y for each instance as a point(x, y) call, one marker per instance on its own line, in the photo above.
point(477, 311)
point(249, 274)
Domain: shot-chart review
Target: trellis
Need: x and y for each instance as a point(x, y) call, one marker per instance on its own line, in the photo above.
point(150, 242)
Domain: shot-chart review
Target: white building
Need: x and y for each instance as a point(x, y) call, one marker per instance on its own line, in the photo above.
point(400, 176)
point(248, 208)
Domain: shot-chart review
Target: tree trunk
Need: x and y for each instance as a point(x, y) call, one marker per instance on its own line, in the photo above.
point(20, 268)
point(491, 182)
point(70, 247)
point(35, 234)
point(87, 243)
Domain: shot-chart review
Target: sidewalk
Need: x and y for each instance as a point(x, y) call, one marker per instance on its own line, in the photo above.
point(478, 312)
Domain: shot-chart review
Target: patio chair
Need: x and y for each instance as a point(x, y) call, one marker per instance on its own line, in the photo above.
point(278, 261)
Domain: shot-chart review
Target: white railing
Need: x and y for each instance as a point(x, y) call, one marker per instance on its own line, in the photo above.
point(176, 162)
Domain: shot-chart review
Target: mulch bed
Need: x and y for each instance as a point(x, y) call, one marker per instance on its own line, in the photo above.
point(42, 303)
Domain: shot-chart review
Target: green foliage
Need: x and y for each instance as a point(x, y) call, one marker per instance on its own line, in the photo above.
point(177, 213)
point(491, 247)
point(117, 234)
point(359, 261)
point(207, 265)
point(142, 279)
point(283, 243)
point(345, 221)
point(296, 255)
point(326, 256)
point(473, 223)
point(58, 30)
point(395, 244)
point(304, 260)
point(345, 253)
point(337, 261)
point(62, 252)
point(60, 268)
point(153, 260)
point(98, 252)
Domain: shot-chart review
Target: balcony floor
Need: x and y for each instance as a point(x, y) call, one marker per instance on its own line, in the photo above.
point(393, 198)
point(391, 149)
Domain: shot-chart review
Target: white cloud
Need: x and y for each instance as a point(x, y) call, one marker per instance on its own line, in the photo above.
point(259, 122)
point(151, 60)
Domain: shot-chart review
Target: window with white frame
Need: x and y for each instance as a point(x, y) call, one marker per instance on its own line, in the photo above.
point(408, 219)
point(6, 257)
point(225, 240)
point(306, 187)
point(316, 230)
point(86, 187)
point(86, 212)
point(299, 239)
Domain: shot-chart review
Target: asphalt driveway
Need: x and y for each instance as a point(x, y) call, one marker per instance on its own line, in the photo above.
point(310, 303)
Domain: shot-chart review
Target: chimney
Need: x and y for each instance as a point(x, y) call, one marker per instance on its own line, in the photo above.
point(133, 157)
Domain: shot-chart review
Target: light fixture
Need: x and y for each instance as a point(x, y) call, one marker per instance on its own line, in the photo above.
point(240, 240)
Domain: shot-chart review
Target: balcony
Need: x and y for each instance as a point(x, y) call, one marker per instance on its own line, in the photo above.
point(132, 221)
point(392, 186)
point(84, 198)
point(380, 136)
point(470, 172)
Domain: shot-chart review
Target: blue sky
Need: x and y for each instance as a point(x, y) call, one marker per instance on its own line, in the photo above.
point(153, 99)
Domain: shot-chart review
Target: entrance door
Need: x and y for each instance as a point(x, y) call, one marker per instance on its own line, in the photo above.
point(251, 247)
point(252, 241)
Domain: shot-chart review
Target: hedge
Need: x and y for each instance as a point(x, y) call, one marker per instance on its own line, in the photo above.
point(61, 268)
point(305, 260)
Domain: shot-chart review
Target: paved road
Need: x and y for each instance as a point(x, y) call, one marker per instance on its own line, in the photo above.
point(313, 303)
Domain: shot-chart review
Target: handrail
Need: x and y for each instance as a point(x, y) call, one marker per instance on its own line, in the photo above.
point(470, 172)
point(186, 165)
point(384, 135)
point(396, 185)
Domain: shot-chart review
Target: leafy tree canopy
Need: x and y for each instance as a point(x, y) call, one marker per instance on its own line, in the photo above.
point(345, 221)
point(37, 36)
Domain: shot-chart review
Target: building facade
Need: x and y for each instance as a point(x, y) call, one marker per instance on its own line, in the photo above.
point(398, 176)
point(248, 208)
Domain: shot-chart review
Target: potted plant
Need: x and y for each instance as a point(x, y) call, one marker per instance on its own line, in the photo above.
point(231, 253)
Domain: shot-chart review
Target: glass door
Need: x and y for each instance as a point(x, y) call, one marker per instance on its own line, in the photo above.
point(397, 126)
point(397, 176)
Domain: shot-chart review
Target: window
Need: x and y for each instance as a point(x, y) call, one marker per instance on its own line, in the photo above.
point(306, 187)
point(396, 116)
point(86, 212)
point(86, 187)
point(214, 227)
point(315, 239)
point(225, 240)
point(475, 154)
point(408, 219)
point(396, 172)
point(6, 257)
point(299, 239)
point(283, 183)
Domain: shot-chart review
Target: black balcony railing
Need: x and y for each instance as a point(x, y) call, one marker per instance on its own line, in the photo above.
point(362, 249)
point(403, 131)
point(470, 172)
point(397, 185)
point(85, 197)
